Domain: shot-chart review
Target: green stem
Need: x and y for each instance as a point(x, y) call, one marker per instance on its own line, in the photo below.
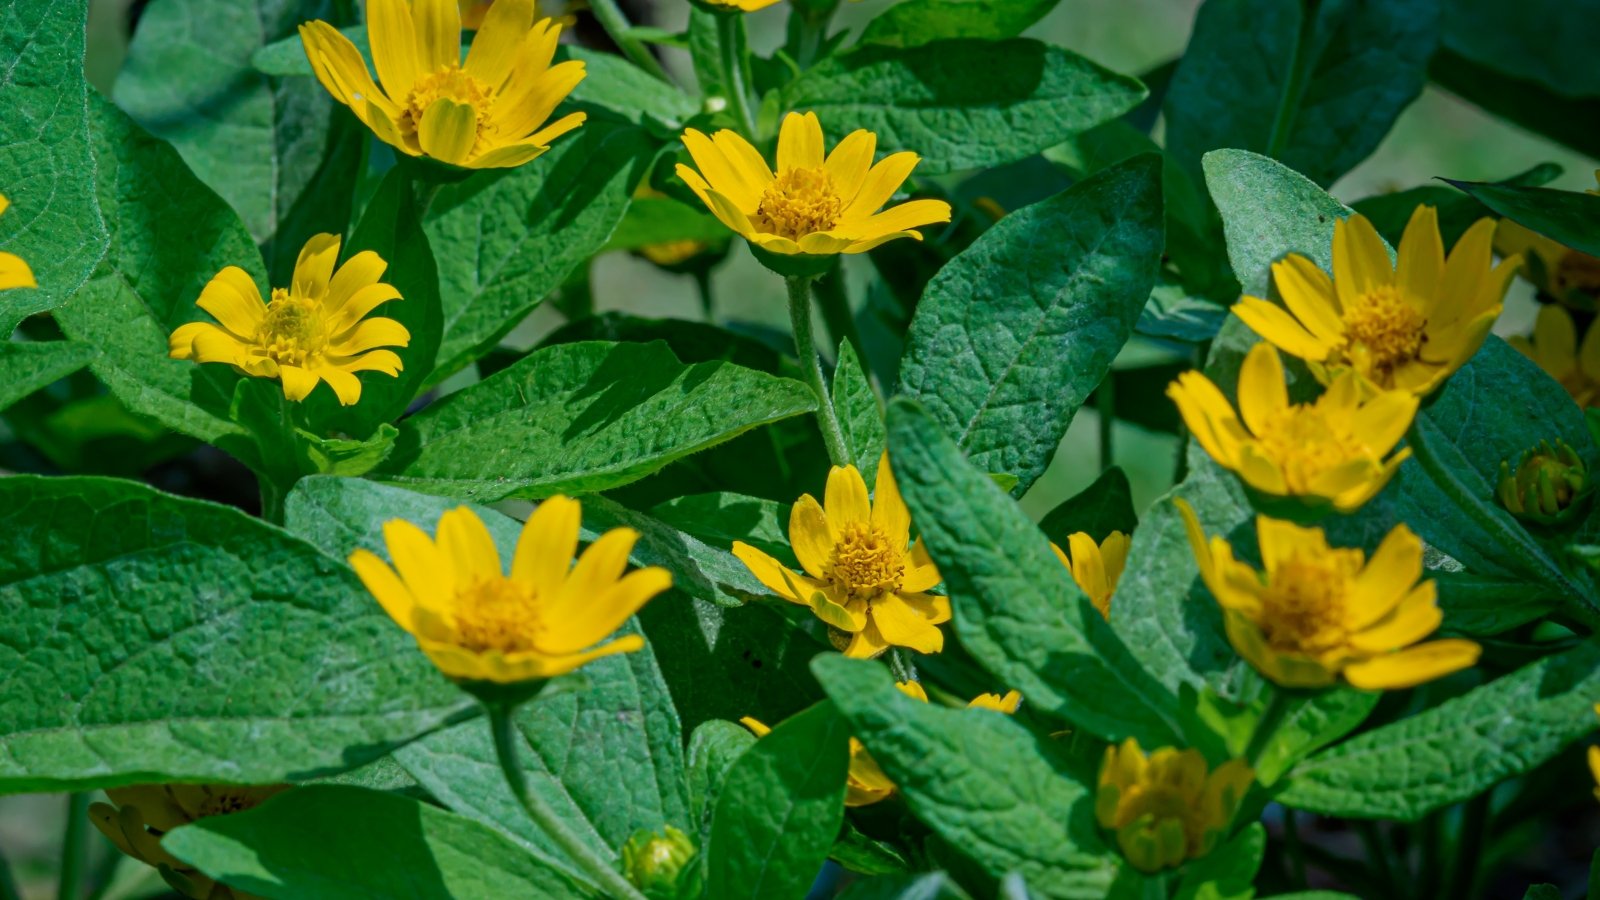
point(805, 346)
point(735, 69)
point(1462, 875)
point(1107, 407)
point(8, 883)
point(272, 496)
point(1267, 725)
point(612, 19)
point(1498, 525)
point(74, 847)
point(1299, 65)
point(1378, 855)
point(1297, 857)
point(606, 878)
point(702, 285)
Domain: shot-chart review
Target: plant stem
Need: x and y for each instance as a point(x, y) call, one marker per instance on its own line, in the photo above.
point(702, 284)
point(612, 19)
point(1297, 858)
point(1299, 65)
point(735, 73)
point(606, 878)
point(805, 346)
point(74, 847)
point(8, 884)
point(1106, 406)
point(1267, 726)
point(1499, 525)
point(1378, 853)
point(1462, 875)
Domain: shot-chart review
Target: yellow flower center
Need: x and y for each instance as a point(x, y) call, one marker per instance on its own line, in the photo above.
point(1577, 272)
point(448, 83)
point(498, 614)
point(293, 330)
point(799, 202)
point(1383, 332)
point(864, 562)
point(1303, 607)
point(1306, 443)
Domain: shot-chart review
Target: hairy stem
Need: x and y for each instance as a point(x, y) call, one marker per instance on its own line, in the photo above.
point(805, 346)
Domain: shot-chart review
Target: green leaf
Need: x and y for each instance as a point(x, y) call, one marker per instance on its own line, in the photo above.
point(331, 842)
point(779, 809)
point(917, 22)
point(288, 56)
point(54, 222)
point(867, 856)
point(1228, 872)
point(721, 518)
point(1013, 335)
point(860, 414)
point(27, 366)
point(1017, 610)
point(1531, 41)
point(504, 240)
point(578, 418)
point(657, 220)
point(1317, 93)
point(999, 795)
point(1099, 509)
point(1569, 217)
point(149, 637)
point(258, 141)
point(1390, 212)
point(1269, 211)
point(1523, 103)
point(713, 749)
point(622, 88)
point(1484, 605)
point(1456, 749)
point(169, 236)
point(932, 99)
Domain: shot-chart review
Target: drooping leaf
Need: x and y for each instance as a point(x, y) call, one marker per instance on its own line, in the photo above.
point(54, 222)
point(149, 637)
point(927, 98)
point(1015, 333)
point(917, 22)
point(997, 794)
point(504, 240)
point(578, 418)
point(860, 414)
point(1532, 41)
point(1099, 509)
point(1569, 217)
point(27, 366)
point(779, 809)
point(1532, 106)
point(1016, 607)
point(333, 842)
point(1269, 211)
point(1317, 91)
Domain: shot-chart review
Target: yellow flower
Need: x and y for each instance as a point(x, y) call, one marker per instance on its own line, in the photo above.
point(314, 330)
point(485, 114)
point(14, 272)
point(1318, 612)
point(1555, 347)
point(1404, 328)
point(812, 205)
point(1167, 806)
point(1095, 567)
point(860, 576)
point(865, 783)
point(1328, 451)
point(137, 817)
point(546, 618)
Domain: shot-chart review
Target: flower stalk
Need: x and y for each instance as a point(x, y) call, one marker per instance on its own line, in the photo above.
point(735, 69)
point(615, 22)
point(805, 346)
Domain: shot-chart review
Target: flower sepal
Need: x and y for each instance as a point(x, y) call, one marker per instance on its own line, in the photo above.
point(793, 265)
point(511, 695)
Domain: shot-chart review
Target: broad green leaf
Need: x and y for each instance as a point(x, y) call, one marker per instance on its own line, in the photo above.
point(860, 413)
point(1017, 609)
point(1014, 334)
point(578, 418)
point(998, 794)
point(713, 749)
point(620, 87)
point(332, 842)
point(259, 141)
point(1316, 90)
point(149, 637)
point(1535, 108)
point(916, 22)
point(720, 519)
point(1269, 211)
point(169, 235)
point(1456, 749)
point(779, 809)
point(1532, 40)
point(27, 366)
point(54, 222)
point(656, 220)
point(932, 98)
point(504, 240)
point(1099, 509)
point(1571, 218)
point(1229, 871)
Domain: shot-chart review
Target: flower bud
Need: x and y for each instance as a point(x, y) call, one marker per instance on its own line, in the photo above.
point(1549, 481)
point(658, 863)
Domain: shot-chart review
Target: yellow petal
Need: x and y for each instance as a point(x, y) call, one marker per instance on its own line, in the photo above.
point(359, 272)
point(912, 689)
point(605, 612)
point(314, 267)
point(756, 726)
point(428, 573)
point(1308, 293)
point(596, 571)
point(901, 626)
point(346, 386)
point(849, 162)
point(881, 183)
point(1360, 261)
point(385, 586)
point(745, 159)
point(356, 308)
point(15, 273)
point(1413, 666)
point(448, 130)
point(772, 243)
point(1384, 420)
point(812, 535)
point(508, 156)
point(1282, 330)
point(561, 81)
point(241, 315)
point(370, 333)
point(1421, 259)
point(865, 244)
point(800, 142)
point(546, 545)
point(438, 27)
point(889, 510)
point(866, 643)
point(1087, 568)
point(767, 570)
point(824, 243)
point(906, 216)
point(466, 541)
point(298, 383)
point(394, 45)
point(1412, 619)
point(1464, 273)
point(729, 215)
point(846, 498)
point(1387, 577)
point(494, 48)
point(721, 174)
point(1262, 394)
point(921, 574)
point(1209, 417)
point(339, 66)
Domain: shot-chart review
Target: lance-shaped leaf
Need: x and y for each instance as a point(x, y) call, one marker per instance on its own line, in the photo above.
point(1571, 218)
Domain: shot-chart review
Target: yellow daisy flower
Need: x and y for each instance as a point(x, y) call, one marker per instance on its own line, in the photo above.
point(1399, 328)
point(546, 618)
point(1095, 567)
point(138, 816)
point(1318, 613)
point(314, 330)
point(865, 783)
point(1555, 347)
point(1167, 806)
point(1330, 450)
point(14, 272)
point(860, 577)
point(484, 114)
point(813, 205)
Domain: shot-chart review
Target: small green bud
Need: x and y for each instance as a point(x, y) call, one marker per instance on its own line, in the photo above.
point(1549, 482)
point(658, 863)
